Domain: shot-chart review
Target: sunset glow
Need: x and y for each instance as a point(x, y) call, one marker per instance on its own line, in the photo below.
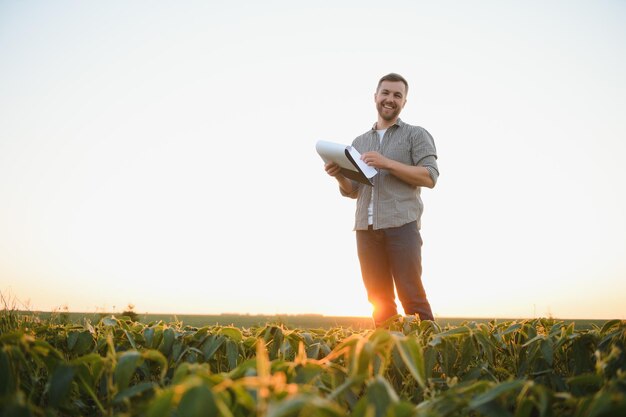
point(164, 155)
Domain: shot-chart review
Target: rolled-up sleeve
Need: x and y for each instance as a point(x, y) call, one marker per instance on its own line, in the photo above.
point(424, 152)
point(430, 163)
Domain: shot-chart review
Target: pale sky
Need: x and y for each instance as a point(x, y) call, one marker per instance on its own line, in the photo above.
point(163, 153)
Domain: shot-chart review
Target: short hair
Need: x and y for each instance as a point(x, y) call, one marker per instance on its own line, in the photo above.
point(392, 76)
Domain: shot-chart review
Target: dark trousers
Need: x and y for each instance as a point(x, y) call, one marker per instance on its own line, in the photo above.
point(393, 257)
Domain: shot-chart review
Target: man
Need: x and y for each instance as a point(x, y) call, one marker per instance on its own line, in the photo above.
point(387, 219)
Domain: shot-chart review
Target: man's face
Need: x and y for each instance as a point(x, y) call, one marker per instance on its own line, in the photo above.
point(390, 99)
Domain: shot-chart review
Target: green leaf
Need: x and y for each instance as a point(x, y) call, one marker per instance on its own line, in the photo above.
point(543, 399)
point(276, 342)
point(313, 351)
point(304, 405)
point(512, 328)
point(198, 401)
point(211, 345)
point(232, 354)
point(72, 337)
point(348, 383)
point(455, 332)
point(380, 337)
point(493, 409)
point(126, 366)
point(524, 408)
point(401, 409)
point(7, 377)
point(109, 321)
point(363, 358)
point(134, 391)
point(496, 392)
point(585, 383)
point(378, 400)
point(157, 338)
point(232, 333)
point(201, 334)
point(547, 351)
point(430, 360)
point(44, 352)
point(178, 348)
point(244, 397)
point(89, 367)
point(80, 343)
point(451, 333)
point(148, 335)
point(609, 324)
point(61, 384)
point(381, 395)
point(307, 373)
point(131, 339)
point(412, 355)
point(156, 356)
point(485, 343)
point(168, 340)
point(468, 353)
point(85, 387)
point(162, 405)
point(600, 405)
point(535, 339)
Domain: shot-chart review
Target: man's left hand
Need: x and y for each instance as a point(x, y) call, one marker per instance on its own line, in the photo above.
point(376, 160)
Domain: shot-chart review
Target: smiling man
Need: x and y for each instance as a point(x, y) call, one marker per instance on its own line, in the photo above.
point(387, 219)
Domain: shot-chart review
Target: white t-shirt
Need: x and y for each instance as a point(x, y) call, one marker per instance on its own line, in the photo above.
point(370, 208)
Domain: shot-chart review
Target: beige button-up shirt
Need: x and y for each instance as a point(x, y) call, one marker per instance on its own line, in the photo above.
point(395, 202)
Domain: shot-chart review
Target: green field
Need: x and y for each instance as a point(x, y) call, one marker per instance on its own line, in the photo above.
point(301, 321)
point(64, 365)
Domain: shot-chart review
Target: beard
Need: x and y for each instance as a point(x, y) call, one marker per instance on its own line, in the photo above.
point(388, 114)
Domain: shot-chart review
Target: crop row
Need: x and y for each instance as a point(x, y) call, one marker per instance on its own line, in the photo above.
point(118, 367)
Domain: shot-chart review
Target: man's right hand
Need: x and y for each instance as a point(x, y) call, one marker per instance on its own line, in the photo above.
point(333, 170)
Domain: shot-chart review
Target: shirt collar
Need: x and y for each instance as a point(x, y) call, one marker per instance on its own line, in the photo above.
point(398, 123)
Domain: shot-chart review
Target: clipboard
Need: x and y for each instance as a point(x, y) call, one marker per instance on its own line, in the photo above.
point(348, 159)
